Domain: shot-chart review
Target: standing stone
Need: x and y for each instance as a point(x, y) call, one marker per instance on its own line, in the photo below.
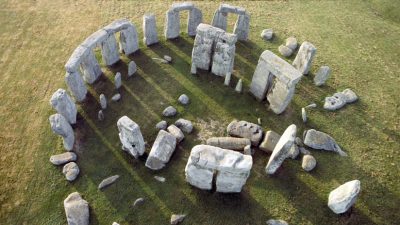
point(162, 125)
point(224, 54)
point(76, 85)
point(231, 143)
point(100, 115)
point(338, 100)
point(312, 105)
point(241, 28)
point(285, 51)
point(308, 163)
point(60, 126)
point(138, 202)
point(176, 132)
point(344, 196)
point(184, 99)
point(91, 68)
point(281, 149)
point(167, 58)
point(270, 140)
point(244, 129)
point(108, 181)
point(319, 140)
point(130, 137)
point(118, 80)
point(64, 105)
point(195, 18)
point(162, 150)
point(239, 86)
point(304, 151)
point(304, 115)
point(103, 101)
point(63, 158)
point(185, 125)
point(160, 179)
point(322, 75)
point(267, 34)
point(71, 171)
point(109, 50)
point(129, 40)
point(242, 24)
point(291, 43)
point(169, 111)
point(177, 218)
point(76, 209)
point(227, 79)
point(131, 68)
point(304, 57)
point(172, 24)
point(150, 29)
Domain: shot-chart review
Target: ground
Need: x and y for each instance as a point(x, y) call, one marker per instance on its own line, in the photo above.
point(359, 40)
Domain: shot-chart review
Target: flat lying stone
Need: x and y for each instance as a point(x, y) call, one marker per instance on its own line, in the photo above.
point(232, 143)
point(76, 209)
point(308, 163)
point(304, 57)
point(344, 196)
point(116, 97)
point(184, 99)
point(267, 34)
point(103, 101)
point(293, 152)
point(291, 42)
point(169, 111)
point(162, 125)
point(60, 126)
point(63, 158)
point(160, 179)
point(177, 218)
point(285, 51)
point(64, 105)
point(71, 171)
point(168, 58)
point(100, 115)
point(244, 129)
point(118, 80)
point(108, 181)
point(176, 132)
point(162, 150)
point(132, 68)
point(270, 140)
point(185, 125)
point(319, 140)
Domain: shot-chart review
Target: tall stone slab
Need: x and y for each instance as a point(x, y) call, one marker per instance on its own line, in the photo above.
point(172, 24)
point(242, 27)
point(109, 50)
point(130, 137)
point(304, 57)
point(195, 18)
point(76, 209)
point(220, 20)
point(224, 54)
point(162, 150)
point(76, 85)
point(90, 67)
point(59, 125)
point(149, 29)
point(64, 105)
point(129, 40)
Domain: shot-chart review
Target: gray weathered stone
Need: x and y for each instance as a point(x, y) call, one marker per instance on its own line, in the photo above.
point(227, 79)
point(308, 163)
point(176, 132)
point(116, 97)
point(304, 57)
point(285, 51)
point(281, 149)
point(184, 99)
point(71, 171)
point(64, 105)
point(177, 218)
point(276, 222)
point(168, 58)
point(299, 142)
point(350, 95)
point(130, 137)
point(232, 143)
point(248, 150)
point(340, 99)
point(63, 158)
point(118, 80)
point(162, 125)
point(76, 85)
point(267, 34)
point(304, 151)
point(100, 115)
point(76, 209)
point(132, 68)
point(160, 179)
point(312, 105)
point(90, 67)
point(293, 152)
point(185, 125)
point(149, 29)
point(172, 22)
point(162, 150)
point(103, 101)
point(60, 126)
point(108, 181)
point(304, 115)
point(239, 86)
point(279, 97)
point(232, 168)
point(138, 202)
point(109, 50)
point(244, 129)
point(169, 111)
point(322, 75)
point(319, 140)
point(270, 140)
point(291, 42)
point(344, 196)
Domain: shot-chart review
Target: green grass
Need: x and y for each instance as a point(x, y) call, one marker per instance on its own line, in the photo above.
point(360, 45)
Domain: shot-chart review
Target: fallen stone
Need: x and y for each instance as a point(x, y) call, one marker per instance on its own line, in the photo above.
point(319, 140)
point(308, 163)
point(232, 143)
point(76, 209)
point(312, 105)
point(160, 179)
point(176, 132)
point(162, 150)
point(169, 111)
point(338, 100)
point(248, 150)
point(71, 171)
point(184, 99)
point(64, 105)
point(160, 60)
point(276, 222)
point(285, 51)
point(185, 125)
point(116, 97)
point(131, 137)
point(344, 196)
point(60, 126)
point(244, 129)
point(293, 152)
point(162, 125)
point(63, 158)
point(291, 43)
point(304, 151)
point(100, 115)
point(270, 140)
point(304, 57)
point(103, 101)
point(177, 218)
point(108, 181)
point(239, 86)
point(132, 68)
point(267, 34)
point(168, 58)
point(322, 75)
point(304, 115)
point(138, 202)
point(118, 80)
point(281, 149)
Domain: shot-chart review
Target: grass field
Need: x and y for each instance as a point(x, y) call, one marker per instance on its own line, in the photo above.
point(359, 40)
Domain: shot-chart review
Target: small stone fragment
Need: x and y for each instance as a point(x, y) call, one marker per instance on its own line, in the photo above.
point(184, 99)
point(293, 152)
point(162, 125)
point(132, 68)
point(227, 79)
point(248, 150)
point(322, 75)
point(285, 51)
point(76, 209)
point(60, 126)
point(276, 222)
point(118, 80)
point(169, 111)
point(185, 125)
point(304, 57)
point(116, 97)
point(71, 171)
point(308, 163)
point(259, 121)
point(304, 115)
point(138, 202)
point(350, 95)
point(63, 158)
point(239, 86)
point(108, 181)
point(312, 105)
point(160, 179)
point(304, 151)
point(270, 140)
point(168, 58)
point(176, 132)
point(319, 140)
point(103, 101)
point(175, 219)
point(344, 196)
point(299, 142)
point(291, 43)
point(100, 115)
point(267, 34)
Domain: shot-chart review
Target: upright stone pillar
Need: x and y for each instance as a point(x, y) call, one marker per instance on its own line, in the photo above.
point(109, 50)
point(172, 25)
point(64, 105)
point(242, 26)
point(219, 19)
point(76, 85)
point(195, 18)
point(149, 29)
point(129, 40)
point(91, 68)
point(304, 57)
